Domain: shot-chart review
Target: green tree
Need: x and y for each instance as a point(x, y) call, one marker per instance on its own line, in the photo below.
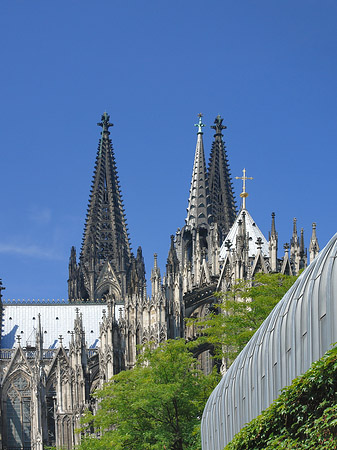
point(239, 313)
point(303, 417)
point(157, 405)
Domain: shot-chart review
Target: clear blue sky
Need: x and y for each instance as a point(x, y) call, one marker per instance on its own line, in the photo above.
point(268, 67)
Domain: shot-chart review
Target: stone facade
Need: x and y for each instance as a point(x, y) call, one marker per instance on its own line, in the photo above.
point(48, 368)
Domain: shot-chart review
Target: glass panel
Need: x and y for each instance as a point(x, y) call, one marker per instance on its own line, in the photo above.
point(13, 423)
point(18, 415)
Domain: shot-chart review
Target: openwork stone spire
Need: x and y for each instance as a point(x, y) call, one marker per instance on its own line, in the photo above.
point(105, 233)
point(105, 238)
point(221, 191)
point(198, 201)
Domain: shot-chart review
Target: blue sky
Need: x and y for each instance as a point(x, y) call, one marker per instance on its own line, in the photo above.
point(269, 68)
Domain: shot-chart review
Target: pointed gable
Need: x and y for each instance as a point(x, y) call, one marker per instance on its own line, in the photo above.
point(108, 279)
point(18, 362)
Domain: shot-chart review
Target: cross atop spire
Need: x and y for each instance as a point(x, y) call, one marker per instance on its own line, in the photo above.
point(218, 127)
point(200, 125)
point(105, 124)
point(244, 194)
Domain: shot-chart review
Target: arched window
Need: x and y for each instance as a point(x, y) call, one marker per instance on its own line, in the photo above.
point(17, 404)
point(50, 400)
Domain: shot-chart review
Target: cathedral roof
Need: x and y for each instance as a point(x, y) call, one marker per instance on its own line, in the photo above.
point(252, 230)
point(56, 319)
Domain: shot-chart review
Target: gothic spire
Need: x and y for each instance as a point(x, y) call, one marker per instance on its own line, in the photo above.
point(105, 237)
point(221, 191)
point(105, 234)
point(314, 247)
point(198, 201)
point(294, 242)
point(273, 244)
point(273, 228)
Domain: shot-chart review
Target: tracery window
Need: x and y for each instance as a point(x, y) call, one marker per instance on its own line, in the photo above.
point(18, 414)
point(50, 403)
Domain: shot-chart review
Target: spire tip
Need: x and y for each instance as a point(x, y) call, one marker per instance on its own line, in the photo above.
point(200, 125)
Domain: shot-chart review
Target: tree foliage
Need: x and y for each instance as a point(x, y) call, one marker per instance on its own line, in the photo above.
point(240, 312)
point(303, 417)
point(157, 405)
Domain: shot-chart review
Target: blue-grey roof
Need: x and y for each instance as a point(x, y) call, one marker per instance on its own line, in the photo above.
point(299, 330)
point(56, 319)
point(254, 233)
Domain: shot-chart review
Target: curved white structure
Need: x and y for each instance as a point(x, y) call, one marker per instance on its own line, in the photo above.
point(298, 331)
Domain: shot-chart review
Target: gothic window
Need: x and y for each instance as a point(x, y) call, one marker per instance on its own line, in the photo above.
point(18, 421)
point(50, 400)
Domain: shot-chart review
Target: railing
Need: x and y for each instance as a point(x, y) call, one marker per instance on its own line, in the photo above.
point(49, 301)
point(30, 353)
point(7, 354)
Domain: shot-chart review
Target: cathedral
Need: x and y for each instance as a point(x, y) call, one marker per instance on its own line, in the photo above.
point(53, 355)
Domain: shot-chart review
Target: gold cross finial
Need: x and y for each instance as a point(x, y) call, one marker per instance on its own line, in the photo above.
point(244, 194)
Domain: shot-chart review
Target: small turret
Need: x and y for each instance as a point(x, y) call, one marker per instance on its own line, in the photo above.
point(313, 247)
point(155, 278)
point(39, 340)
point(303, 252)
point(273, 244)
point(294, 243)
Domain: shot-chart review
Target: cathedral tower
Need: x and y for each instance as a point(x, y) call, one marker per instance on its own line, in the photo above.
point(105, 255)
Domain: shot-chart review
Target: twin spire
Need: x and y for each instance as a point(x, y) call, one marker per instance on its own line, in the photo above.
point(211, 197)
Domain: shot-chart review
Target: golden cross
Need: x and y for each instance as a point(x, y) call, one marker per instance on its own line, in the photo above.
point(244, 194)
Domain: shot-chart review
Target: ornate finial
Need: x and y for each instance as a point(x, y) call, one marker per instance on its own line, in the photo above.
point(286, 246)
point(105, 124)
point(18, 338)
point(259, 243)
point(61, 339)
point(218, 127)
point(244, 194)
point(228, 245)
point(199, 124)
